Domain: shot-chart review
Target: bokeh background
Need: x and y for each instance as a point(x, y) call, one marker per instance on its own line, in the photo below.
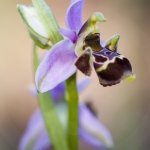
point(124, 109)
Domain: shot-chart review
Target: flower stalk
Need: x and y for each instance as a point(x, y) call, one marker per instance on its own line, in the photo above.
point(72, 99)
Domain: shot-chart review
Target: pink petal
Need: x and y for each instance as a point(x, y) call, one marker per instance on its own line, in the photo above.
point(73, 17)
point(69, 34)
point(32, 132)
point(57, 66)
point(91, 130)
point(42, 142)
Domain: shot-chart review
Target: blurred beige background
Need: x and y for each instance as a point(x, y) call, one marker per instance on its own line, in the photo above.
point(124, 108)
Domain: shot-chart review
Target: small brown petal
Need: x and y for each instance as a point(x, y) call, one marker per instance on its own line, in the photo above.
point(83, 62)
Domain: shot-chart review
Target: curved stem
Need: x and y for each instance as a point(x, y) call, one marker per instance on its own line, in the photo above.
point(53, 126)
point(72, 99)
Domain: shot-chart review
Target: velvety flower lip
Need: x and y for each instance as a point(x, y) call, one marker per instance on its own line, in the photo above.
point(110, 66)
point(90, 130)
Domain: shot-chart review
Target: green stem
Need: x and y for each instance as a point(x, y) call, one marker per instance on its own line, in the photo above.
point(72, 99)
point(54, 128)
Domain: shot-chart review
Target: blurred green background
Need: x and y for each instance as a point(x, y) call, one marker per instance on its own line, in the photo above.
point(124, 109)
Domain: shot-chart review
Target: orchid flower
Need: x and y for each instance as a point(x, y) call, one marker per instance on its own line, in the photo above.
point(81, 49)
point(90, 130)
